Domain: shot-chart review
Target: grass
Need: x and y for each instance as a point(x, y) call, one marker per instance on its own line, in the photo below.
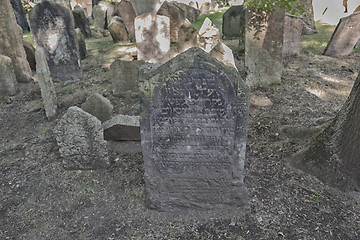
point(28, 37)
point(316, 43)
point(215, 17)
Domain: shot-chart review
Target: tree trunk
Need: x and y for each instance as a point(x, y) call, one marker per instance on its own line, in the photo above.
point(333, 155)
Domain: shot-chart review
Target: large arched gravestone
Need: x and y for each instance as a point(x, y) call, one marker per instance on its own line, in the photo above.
point(194, 121)
point(53, 28)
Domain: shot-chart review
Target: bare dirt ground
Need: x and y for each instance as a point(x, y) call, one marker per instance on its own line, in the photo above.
point(40, 200)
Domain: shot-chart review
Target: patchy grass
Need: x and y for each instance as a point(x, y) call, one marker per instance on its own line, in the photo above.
point(316, 43)
point(28, 37)
point(215, 17)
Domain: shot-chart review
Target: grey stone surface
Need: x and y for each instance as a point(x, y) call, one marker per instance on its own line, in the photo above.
point(81, 42)
point(292, 35)
point(122, 128)
point(176, 16)
point(152, 33)
point(82, 22)
point(8, 84)
point(47, 89)
point(233, 25)
point(53, 29)
point(345, 36)
point(81, 141)
point(30, 54)
point(125, 76)
point(309, 21)
point(209, 35)
point(191, 13)
point(224, 54)
point(98, 106)
point(11, 42)
point(194, 121)
point(264, 47)
point(20, 15)
point(65, 3)
point(188, 36)
point(148, 6)
point(128, 14)
point(117, 30)
point(99, 15)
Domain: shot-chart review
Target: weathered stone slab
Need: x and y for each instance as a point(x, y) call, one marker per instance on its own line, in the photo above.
point(209, 35)
point(81, 42)
point(224, 54)
point(98, 106)
point(117, 30)
point(82, 22)
point(54, 31)
point(8, 84)
point(264, 47)
point(233, 25)
point(188, 36)
point(47, 89)
point(128, 14)
point(194, 121)
point(125, 76)
point(292, 35)
point(152, 33)
point(122, 128)
point(345, 36)
point(191, 13)
point(148, 6)
point(20, 15)
point(176, 16)
point(99, 15)
point(11, 42)
point(81, 141)
point(30, 54)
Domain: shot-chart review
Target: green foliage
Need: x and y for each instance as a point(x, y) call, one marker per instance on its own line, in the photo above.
point(290, 6)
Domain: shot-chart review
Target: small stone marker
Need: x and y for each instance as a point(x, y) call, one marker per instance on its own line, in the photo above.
point(233, 25)
point(117, 30)
point(11, 42)
point(194, 121)
point(176, 16)
point(224, 54)
point(209, 35)
point(128, 14)
point(264, 47)
point(82, 22)
point(125, 76)
point(122, 128)
point(47, 89)
point(8, 84)
point(81, 141)
point(98, 106)
point(292, 35)
point(345, 36)
point(20, 15)
point(152, 33)
point(54, 31)
point(188, 36)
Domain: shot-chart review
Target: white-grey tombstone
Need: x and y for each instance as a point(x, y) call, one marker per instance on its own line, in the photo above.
point(53, 28)
point(209, 35)
point(176, 15)
point(152, 33)
point(194, 121)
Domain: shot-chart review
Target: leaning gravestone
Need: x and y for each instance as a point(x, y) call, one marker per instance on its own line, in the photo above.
point(117, 30)
point(81, 141)
point(128, 14)
point(11, 42)
point(233, 25)
point(152, 33)
point(54, 31)
point(191, 13)
point(194, 121)
point(176, 15)
point(8, 84)
point(82, 22)
point(292, 35)
point(345, 36)
point(188, 36)
point(20, 15)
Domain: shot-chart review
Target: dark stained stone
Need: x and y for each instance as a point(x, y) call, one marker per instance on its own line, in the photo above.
point(30, 54)
point(194, 121)
point(20, 15)
point(128, 14)
point(81, 42)
point(233, 25)
point(191, 13)
point(82, 22)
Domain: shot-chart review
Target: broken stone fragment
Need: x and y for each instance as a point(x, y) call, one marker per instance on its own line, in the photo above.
point(122, 128)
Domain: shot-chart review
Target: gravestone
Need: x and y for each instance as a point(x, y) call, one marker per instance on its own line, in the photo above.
point(20, 15)
point(81, 42)
point(264, 47)
point(292, 35)
point(117, 30)
point(87, 4)
point(344, 37)
point(233, 25)
point(53, 29)
point(194, 121)
point(176, 16)
point(188, 36)
point(98, 106)
point(191, 13)
point(128, 14)
point(209, 35)
point(8, 84)
point(11, 42)
point(122, 128)
point(148, 6)
point(99, 15)
point(82, 22)
point(125, 76)
point(81, 141)
point(152, 33)
point(30, 54)
point(46, 84)
point(224, 54)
